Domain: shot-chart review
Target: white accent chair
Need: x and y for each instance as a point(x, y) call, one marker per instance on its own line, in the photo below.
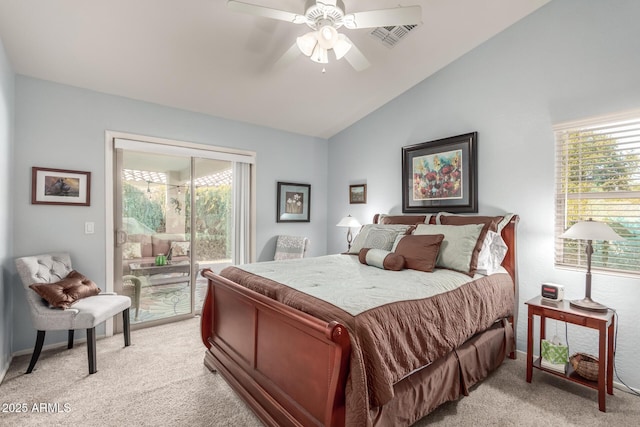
point(291, 247)
point(85, 313)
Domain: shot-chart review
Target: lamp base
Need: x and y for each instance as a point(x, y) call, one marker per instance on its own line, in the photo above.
point(588, 304)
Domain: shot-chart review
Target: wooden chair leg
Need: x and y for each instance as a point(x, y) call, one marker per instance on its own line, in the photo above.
point(70, 340)
point(36, 351)
point(126, 328)
point(91, 349)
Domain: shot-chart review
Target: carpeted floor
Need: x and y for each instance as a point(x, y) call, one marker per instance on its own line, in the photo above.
point(160, 380)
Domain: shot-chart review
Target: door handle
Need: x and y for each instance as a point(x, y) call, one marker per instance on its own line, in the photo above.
point(121, 237)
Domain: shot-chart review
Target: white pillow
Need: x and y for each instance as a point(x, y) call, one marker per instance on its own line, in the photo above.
point(377, 236)
point(493, 251)
point(458, 247)
point(180, 248)
point(131, 250)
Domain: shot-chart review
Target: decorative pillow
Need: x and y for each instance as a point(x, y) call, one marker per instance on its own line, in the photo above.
point(145, 243)
point(67, 291)
point(448, 219)
point(492, 253)
point(420, 252)
point(460, 247)
point(180, 248)
point(404, 219)
point(162, 242)
point(497, 223)
point(131, 250)
point(382, 259)
point(377, 236)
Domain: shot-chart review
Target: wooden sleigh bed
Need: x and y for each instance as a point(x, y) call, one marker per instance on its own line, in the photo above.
point(295, 369)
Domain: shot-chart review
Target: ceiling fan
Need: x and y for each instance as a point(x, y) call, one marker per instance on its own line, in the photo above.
point(325, 17)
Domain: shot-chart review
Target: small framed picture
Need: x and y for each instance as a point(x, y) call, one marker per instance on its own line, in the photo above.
point(358, 193)
point(60, 187)
point(294, 202)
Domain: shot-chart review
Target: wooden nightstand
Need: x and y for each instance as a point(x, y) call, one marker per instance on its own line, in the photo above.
point(603, 322)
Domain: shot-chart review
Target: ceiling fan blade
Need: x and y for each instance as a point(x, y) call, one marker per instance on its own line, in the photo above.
point(266, 12)
point(287, 58)
point(384, 17)
point(356, 58)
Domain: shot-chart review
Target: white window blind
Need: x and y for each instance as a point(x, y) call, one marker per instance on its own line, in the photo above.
point(598, 177)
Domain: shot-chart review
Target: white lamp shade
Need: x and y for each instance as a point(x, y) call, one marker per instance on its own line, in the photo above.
point(320, 55)
point(307, 42)
point(348, 221)
point(327, 37)
point(341, 47)
point(590, 230)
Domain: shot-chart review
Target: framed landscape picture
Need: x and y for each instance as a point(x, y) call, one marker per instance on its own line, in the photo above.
point(358, 193)
point(60, 187)
point(294, 202)
point(441, 175)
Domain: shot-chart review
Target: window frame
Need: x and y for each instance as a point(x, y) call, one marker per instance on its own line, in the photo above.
point(612, 130)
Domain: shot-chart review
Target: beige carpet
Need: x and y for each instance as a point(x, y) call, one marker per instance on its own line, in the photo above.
point(161, 381)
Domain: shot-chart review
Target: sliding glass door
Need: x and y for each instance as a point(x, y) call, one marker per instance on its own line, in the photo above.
point(174, 218)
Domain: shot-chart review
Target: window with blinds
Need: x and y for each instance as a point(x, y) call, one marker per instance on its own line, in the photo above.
point(598, 177)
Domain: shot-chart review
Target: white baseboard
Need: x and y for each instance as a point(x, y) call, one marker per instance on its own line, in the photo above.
point(6, 369)
point(51, 346)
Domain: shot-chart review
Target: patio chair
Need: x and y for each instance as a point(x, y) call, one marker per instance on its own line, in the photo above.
point(291, 247)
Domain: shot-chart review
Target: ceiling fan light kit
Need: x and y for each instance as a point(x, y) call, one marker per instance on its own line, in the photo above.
point(325, 17)
point(320, 55)
point(342, 46)
point(306, 43)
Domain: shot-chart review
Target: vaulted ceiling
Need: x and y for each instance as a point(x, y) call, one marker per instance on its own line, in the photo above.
point(199, 56)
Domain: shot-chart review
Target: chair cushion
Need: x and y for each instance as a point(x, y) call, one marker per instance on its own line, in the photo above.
point(67, 291)
point(290, 247)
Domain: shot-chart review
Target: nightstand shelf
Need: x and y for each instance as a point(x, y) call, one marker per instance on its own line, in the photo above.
point(562, 311)
point(570, 375)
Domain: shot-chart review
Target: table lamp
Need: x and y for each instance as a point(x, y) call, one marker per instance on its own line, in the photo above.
point(349, 222)
point(589, 230)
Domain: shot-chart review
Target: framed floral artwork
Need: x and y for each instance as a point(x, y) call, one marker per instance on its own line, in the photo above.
point(294, 202)
point(441, 175)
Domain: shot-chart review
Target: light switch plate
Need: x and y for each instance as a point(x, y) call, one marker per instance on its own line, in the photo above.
point(89, 227)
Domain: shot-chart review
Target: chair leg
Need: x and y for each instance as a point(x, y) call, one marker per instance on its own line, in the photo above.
point(36, 351)
point(70, 340)
point(136, 298)
point(91, 349)
point(126, 328)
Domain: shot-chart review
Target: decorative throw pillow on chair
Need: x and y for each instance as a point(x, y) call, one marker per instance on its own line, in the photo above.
point(64, 293)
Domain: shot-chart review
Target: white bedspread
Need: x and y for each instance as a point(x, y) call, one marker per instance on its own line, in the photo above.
point(334, 279)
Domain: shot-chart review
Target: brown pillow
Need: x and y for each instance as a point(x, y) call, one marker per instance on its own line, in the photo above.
point(67, 291)
point(420, 252)
point(491, 221)
point(381, 259)
point(402, 219)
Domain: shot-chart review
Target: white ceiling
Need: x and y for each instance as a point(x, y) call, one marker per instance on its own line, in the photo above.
point(198, 56)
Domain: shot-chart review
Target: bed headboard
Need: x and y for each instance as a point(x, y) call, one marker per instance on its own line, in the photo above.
point(508, 235)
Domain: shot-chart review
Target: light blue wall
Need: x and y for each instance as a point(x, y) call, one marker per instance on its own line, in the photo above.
point(6, 235)
point(64, 127)
point(569, 60)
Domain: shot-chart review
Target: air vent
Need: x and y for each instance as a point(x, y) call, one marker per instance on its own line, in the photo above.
point(390, 36)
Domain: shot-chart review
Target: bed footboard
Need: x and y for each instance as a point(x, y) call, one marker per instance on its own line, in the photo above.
point(289, 367)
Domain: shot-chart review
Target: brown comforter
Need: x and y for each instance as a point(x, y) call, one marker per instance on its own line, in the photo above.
point(391, 341)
